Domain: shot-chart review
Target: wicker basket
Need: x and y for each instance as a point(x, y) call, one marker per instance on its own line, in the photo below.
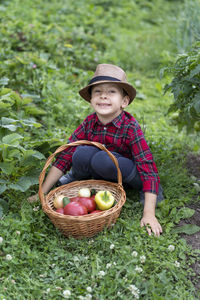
point(90, 224)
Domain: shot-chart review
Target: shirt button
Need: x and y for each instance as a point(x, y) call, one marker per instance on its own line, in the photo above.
point(104, 128)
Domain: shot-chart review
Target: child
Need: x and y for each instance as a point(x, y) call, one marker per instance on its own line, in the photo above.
point(108, 92)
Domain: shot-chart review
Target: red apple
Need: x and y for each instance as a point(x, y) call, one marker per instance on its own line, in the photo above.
point(75, 209)
point(60, 211)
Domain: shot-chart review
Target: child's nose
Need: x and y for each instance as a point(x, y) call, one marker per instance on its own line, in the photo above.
point(104, 94)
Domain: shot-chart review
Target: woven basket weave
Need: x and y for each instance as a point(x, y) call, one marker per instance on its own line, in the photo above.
point(90, 224)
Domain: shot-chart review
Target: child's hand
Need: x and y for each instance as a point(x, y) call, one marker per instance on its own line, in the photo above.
point(150, 220)
point(33, 198)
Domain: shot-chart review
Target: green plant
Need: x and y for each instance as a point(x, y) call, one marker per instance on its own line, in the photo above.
point(19, 155)
point(185, 89)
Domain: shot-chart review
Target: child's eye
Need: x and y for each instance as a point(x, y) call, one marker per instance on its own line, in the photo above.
point(112, 91)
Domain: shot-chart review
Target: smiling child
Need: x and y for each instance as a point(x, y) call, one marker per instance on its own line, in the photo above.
point(109, 93)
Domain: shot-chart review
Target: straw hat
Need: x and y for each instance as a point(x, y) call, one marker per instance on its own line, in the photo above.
point(106, 73)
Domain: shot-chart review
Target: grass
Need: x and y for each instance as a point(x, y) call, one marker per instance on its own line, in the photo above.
point(37, 262)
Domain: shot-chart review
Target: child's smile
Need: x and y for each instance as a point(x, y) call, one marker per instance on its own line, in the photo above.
point(103, 105)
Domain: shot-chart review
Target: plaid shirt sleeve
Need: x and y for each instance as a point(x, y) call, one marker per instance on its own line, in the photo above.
point(64, 160)
point(144, 160)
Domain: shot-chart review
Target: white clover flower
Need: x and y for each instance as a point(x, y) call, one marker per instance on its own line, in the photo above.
point(136, 296)
point(171, 248)
point(112, 246)
point(18, 232)
point(48, 290)
point(41, 275)
point(89, 289)
point(36, 208)
point(134, 254)
point(177, 264)
point(138, 269)
point(142, 259)
point(114, 263)
point(109, 265)
point(88, 297)
point(81, 297)
point(8, 257)
point(53, 265)
point(1, 240)
point(101, 273)
point(13, 281)
point(134, 290)
point(66, 293)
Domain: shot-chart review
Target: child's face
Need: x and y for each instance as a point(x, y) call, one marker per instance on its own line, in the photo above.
point(108, 100)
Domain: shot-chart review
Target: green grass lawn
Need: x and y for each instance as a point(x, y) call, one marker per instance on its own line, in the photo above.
point(48, 51)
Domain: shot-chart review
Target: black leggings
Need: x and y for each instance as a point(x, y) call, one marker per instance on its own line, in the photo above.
point(91, 162)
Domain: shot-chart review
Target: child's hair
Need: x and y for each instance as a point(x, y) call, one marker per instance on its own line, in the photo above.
point(124, 93)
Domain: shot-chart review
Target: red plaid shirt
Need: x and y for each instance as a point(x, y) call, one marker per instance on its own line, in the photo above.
point(122, 135)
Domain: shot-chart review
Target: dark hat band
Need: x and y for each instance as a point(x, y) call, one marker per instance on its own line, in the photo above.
point(102, 78)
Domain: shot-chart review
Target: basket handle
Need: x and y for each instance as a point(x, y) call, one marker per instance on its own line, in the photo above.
point(77, 143)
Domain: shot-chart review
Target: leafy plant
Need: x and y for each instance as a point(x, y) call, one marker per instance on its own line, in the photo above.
point(186, 90)
point(4, 207)
point(187, 229)
point(19, 155)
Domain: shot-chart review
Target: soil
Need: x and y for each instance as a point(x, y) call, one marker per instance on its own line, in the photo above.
point(193, 167)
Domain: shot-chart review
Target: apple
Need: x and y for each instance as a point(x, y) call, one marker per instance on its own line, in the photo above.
point(60, 211)
point(75, 209)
